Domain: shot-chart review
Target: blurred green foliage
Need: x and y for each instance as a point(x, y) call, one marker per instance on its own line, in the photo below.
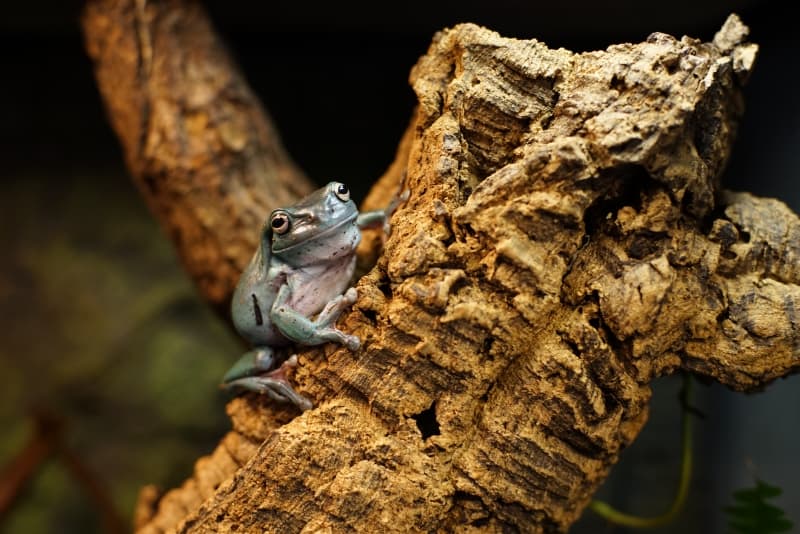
point(102, 329)
point(752, 514)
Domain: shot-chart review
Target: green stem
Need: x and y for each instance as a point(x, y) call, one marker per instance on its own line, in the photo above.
point(613, 515)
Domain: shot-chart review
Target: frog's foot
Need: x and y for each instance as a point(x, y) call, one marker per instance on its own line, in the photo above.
point(331, 312)
point(257, 361)
point(273, 384)
point(353, 343)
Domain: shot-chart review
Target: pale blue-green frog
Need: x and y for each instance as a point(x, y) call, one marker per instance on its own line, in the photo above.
point(302, 268)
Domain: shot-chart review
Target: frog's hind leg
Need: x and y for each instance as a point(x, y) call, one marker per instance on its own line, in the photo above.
point(251, 373)
point(256, 361)
point(274, 385)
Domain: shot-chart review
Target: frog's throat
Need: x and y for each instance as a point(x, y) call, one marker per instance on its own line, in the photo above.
point(330, 230)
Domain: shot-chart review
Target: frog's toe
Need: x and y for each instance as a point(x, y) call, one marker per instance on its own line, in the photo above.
point(351, 295)
point(352, 342)
point(277, 389)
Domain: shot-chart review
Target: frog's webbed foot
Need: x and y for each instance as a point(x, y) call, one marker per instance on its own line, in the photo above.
point(304, 331)
point(254, 372)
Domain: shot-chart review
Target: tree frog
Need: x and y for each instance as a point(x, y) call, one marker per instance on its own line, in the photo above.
point(302, 267)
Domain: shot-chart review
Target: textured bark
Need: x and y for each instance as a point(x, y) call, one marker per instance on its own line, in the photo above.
point(196, 140)
point(565, 242)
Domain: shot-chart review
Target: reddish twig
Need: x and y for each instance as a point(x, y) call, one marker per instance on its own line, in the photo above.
point(48, 441)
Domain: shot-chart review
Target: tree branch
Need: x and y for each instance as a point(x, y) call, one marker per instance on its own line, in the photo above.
point(564, 243)
point(198, 143)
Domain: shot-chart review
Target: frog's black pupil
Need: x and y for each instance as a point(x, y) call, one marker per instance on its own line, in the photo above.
point(342, 190)
point(277, 222)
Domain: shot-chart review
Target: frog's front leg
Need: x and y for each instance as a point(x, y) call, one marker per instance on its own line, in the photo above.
point(377, 218)
point(372, 219)
point(335, 307)
point(303, 330)
point(255, 372)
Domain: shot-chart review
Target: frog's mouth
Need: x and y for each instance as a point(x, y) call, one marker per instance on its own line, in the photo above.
point(328, 231)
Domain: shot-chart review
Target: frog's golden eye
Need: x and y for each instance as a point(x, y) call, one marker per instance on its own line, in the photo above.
point(280, 223)
point(342, 192)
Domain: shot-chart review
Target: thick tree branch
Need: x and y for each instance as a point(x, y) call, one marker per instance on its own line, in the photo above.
point(197, 141)
point(564, 243)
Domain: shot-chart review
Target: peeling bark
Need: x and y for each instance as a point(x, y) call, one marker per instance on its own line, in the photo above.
point(565, 242)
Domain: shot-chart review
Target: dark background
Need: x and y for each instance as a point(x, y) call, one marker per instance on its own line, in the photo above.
point(99, 327)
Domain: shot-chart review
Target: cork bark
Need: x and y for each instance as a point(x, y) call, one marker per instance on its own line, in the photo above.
point(566, 240)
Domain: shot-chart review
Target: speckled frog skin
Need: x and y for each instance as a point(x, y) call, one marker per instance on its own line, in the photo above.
point(302, 268)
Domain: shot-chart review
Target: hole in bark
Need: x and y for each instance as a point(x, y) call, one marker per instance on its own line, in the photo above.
point(486, 346)
point(426, 422)
point(617, 83)
point(450, 239)
point(622, 188)
point(594, 322)
point(644, 243)
point(385, 287)
point(688, 200)
point(728, 254)
point(744, 236)
point(370, 315)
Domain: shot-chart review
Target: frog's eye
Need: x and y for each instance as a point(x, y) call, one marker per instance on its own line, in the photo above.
point(280, 223)
point(342, 192)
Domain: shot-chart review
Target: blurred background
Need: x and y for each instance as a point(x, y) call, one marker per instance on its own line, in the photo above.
point(104, 341)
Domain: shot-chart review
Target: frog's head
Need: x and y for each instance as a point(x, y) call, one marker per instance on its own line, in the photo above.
point(316, 223)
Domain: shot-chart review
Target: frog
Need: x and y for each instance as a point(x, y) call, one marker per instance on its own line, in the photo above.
point(296, 286)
